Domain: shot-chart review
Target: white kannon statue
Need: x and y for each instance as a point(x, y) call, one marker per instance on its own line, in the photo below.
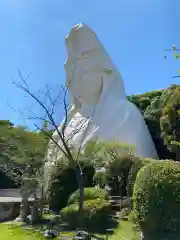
point(98, 99)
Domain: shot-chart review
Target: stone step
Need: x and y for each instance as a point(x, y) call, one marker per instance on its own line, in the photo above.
point(114, 201)
point(114, 197)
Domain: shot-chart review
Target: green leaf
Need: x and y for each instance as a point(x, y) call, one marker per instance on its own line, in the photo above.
point(176, 56)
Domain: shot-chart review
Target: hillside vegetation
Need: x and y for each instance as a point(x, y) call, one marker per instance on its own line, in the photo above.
point(160, 109)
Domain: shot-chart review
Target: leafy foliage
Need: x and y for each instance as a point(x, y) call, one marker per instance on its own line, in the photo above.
point(157, 199)
point(89, 194)
point(136, 166)
point(64, 181)
point(118, 171)
point(100, 178)
point(170, 122)
point(21, 151)
point(142, 101)
point(20, 147)
point(95, 215)
point(7, 179)
point(152, 113)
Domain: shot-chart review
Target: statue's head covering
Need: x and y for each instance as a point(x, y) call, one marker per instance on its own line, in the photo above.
point(81, 43)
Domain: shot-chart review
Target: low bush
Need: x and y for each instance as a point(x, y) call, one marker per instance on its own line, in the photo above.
point(64, 182)
point(136, 166)
point(156, 200)
point(118, 172)
point(95, 216)
point(100, 179)
point(89, 194)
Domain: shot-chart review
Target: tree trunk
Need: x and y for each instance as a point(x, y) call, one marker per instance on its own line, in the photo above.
point(34, 210)
point(24, 209)
point(120, 192)
point(41, 201)
point(81, 200)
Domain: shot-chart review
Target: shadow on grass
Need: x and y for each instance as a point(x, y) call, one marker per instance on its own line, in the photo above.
point(95, 229)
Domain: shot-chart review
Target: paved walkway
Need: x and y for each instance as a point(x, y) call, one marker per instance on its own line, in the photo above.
point(12, 196)
point(13, 199)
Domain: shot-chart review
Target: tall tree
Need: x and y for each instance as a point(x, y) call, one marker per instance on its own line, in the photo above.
point(49, 116)
point(170, 122)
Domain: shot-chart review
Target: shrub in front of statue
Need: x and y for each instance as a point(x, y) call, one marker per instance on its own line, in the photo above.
point(156, 200)
point(118, 172)
point(100, 179)
point(89, 194)
point(64, 181)
point(136, 166)
point(95, 215)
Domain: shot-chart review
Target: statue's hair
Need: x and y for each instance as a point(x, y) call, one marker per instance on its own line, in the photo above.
point(79, 48)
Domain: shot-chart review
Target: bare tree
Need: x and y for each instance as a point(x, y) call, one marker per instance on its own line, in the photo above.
point(65, 145)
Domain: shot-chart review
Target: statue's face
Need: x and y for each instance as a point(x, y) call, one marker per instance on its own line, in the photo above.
point(85, 80)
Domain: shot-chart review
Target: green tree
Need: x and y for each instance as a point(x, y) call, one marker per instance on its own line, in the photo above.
point(118, 171)
point(22, 156)
point(68, 150)
point(63, 181)
point(152, 116)
point(170, 122)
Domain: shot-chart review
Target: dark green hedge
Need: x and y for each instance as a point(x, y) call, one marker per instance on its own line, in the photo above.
point(137, 165)
point(100, 178)
point(119, 167)
point(64, 181)
point(89, 194)
point(95, 215)
point(157, 200)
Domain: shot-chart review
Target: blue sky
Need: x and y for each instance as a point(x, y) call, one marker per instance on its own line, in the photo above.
point(134, 32)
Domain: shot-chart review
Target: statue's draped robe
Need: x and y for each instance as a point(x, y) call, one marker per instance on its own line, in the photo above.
point(90, 72)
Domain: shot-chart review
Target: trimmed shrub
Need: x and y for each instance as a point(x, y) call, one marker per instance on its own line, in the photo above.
point(118, 172)
point(89, 194)
point(64, 182)
point(157, 200)
point(137, 165)
point(95, 215)
point(100, 178)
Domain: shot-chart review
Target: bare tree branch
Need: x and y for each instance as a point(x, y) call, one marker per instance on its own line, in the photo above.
point(65, 104)
point(26, 89)
point(176, 76)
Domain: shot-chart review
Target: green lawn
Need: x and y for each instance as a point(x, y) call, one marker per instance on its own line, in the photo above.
point(15, 232)
point(125, 231)
point(8, 232)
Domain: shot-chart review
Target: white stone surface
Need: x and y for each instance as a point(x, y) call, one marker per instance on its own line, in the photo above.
point(98, 98)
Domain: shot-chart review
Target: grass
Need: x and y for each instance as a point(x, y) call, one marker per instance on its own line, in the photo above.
point(125, 231)
point(15, 232)
point(11, 231)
